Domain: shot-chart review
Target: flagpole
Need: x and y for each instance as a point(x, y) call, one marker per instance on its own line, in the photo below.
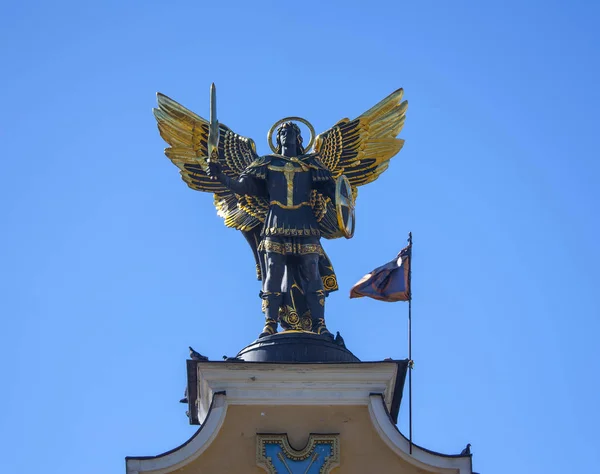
point(410, 361)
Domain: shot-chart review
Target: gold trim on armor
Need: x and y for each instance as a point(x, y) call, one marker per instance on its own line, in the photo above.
point(258, 272)
point(300, 161)
point(284, 206)
point(330, 282)
point(263, 160)
point(306, 324)
point(288, 170)
point(266, 294)
point(290, 248)
point(269, 326)
point(319, 206)
point(269, 231)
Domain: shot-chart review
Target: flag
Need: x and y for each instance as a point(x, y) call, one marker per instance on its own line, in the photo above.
point(390, 282)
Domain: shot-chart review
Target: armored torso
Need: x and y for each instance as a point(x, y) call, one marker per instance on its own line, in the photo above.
point(289, 184)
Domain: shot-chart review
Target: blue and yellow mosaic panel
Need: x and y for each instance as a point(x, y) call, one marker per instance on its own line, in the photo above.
point(276, 456)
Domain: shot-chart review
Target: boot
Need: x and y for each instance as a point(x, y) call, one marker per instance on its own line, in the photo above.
point(271, 303)
point(316, 304)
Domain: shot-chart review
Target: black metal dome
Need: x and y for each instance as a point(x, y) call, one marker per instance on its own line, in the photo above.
point(296, 346)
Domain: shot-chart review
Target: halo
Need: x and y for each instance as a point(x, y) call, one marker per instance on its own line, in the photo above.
point(291, 119)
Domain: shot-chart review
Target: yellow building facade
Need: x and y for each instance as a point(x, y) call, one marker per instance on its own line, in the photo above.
point(297, 417)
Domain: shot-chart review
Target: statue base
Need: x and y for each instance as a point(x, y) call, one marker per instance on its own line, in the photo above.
point(296, 346)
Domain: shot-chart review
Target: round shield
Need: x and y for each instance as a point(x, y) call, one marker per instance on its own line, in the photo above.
point(344, 205)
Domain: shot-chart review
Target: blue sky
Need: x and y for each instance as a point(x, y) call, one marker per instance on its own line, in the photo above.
point(110, 266)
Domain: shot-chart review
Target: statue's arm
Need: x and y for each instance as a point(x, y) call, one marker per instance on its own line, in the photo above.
point(251, 182)
point(245, 184)
point(323, 181)
point(326, 188)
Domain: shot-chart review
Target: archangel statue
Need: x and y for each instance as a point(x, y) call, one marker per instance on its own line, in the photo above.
point(285, 202)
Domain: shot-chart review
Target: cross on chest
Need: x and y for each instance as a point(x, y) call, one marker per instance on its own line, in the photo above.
point(288, 171)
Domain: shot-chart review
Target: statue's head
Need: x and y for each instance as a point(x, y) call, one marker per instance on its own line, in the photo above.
point(288, 133)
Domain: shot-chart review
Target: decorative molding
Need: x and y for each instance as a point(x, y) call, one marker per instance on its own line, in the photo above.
point(421, 458)
point(187, 452)
point(295, 384)
point(309, 452)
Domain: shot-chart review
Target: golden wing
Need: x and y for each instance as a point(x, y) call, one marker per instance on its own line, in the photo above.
point(362, 148)
point(187, 135)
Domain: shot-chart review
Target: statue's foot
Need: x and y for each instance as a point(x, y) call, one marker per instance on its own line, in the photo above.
point(320, 328)
point(269, 329)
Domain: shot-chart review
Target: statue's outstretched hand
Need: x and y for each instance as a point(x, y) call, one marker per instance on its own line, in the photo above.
point(214, 170)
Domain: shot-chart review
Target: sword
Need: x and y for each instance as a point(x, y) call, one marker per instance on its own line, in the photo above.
point(213, 128)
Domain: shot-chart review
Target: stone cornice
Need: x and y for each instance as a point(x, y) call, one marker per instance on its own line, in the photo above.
point(294, 384)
